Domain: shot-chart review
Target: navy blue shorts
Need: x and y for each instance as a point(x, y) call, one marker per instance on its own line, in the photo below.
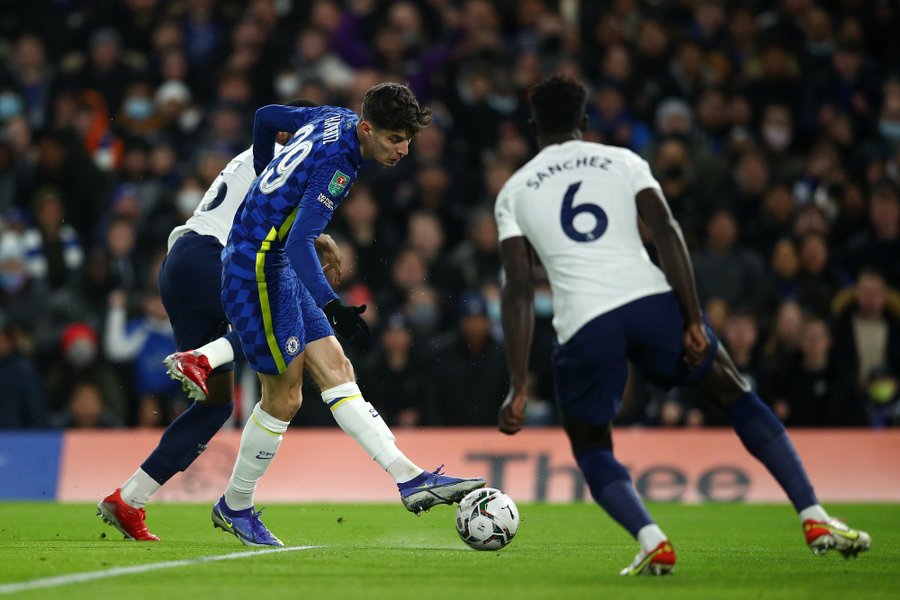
point(274, 318)
point(190, 280)
point(590, 369)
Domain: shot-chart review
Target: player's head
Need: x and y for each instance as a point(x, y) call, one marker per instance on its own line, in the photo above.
point(283, 136)
point(391, 116)
point(557, 109)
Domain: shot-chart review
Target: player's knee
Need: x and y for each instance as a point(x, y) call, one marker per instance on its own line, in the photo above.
point(338, 371)
point(584, 435)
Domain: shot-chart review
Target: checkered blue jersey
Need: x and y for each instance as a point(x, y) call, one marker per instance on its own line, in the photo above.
point(295, 194)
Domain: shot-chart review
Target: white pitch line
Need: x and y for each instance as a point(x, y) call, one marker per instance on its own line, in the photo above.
point(60, 580)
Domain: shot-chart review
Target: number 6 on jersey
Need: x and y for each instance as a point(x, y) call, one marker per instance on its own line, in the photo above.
point(569, 212)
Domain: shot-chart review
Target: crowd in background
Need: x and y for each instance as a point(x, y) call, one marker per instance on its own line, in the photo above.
point(772, 126)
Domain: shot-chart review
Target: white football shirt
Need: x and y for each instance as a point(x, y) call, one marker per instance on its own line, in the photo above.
point(214, 214)
point(575, 204)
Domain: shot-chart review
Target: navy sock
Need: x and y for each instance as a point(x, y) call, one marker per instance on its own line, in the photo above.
point(235, 341)
point(185, 439)
point(765, 438)
point(611, 487)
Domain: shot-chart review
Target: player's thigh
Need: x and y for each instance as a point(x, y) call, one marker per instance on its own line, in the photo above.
point(655, 332)
point(189, 283)
point(324, 358)
point(267, 318)
point(590, 371)
point(723, 384)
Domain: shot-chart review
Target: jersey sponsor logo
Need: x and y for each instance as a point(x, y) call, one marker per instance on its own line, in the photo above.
point(328, 202)
point(338, 183)
point(597, 162)
point(292, 345)
point(332, 130)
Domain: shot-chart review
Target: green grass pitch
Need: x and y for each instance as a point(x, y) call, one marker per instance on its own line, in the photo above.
point(381, 551)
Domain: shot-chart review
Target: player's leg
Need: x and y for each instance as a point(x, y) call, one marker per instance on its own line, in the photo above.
point(332, 371)
point(267, 316)
point(189, 281)
point(590, 379)
point(658, 351)
point(765, 438)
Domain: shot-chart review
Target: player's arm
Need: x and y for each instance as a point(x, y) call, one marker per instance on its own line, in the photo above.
point(311, 219)
point(676, 264)
point(517, 314)
point(270, 120)
point(330, 257)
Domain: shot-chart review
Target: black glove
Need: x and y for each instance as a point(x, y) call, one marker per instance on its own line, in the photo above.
point(345, 318)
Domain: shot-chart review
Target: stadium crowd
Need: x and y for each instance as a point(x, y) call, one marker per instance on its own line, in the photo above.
point(772, 126)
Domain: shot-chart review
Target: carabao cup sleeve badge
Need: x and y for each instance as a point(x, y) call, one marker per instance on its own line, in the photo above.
point(338, 183)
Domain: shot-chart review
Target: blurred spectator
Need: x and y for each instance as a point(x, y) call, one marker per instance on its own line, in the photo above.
point(22, 400)
point(79, 359)
point(395, 380)
point(115, 266)
point(468, 369)
point(144, 342)
point(724, 269)
point(815, 390)
point(867, 329)
point(741, 337)
point(879, 246)
point(52, 250)
point(85, 410)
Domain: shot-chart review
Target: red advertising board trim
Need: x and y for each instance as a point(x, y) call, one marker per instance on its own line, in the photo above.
point(325, 465)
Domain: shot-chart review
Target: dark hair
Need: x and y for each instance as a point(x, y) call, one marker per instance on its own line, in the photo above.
point(394, 107)
point(557, 104)
point(301, 103)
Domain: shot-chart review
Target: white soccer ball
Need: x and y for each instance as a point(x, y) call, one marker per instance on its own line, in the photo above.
point(487, 519)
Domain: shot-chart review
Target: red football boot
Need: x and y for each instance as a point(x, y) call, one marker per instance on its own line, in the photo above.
point(659, 561)
point(822, 536)
point(191, 369)
point(124, 517)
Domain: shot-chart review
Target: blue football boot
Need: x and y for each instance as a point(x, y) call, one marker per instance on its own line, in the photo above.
point(429, 489)
point(245, 525)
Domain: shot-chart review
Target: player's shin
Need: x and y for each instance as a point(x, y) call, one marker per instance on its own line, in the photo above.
point(765, 438)
point(259, 442)
point(361, 421)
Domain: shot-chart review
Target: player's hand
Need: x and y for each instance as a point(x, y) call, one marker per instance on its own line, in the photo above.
point(345, 318)
point(331, 256)
point(512, 412)
point(696, 344)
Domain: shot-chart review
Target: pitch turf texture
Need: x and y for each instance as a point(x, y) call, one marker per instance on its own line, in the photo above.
point(380, 551)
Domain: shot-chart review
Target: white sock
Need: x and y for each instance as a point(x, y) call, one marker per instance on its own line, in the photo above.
point(650, 536)
point(361, 421)
point(814, 512)
point(218, 352)
point(137, 490)
point(259, 443)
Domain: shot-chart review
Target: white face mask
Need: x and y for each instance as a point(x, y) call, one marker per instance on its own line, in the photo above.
point(189, 120)
point(287, 85)
point(777, 137)
point(188, 200)
point(81, 353)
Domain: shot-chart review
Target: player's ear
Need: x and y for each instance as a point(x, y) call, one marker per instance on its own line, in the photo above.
point(366, 128)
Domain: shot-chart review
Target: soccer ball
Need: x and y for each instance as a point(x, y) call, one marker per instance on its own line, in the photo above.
point(487, 519)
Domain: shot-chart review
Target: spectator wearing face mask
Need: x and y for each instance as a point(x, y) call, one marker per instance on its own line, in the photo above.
point(80, 361)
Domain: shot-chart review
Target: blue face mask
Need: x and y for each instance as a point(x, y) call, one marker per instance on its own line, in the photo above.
point(543, 304)
point(10, 106)
point(138, 109)
point(423, 317)
point(493, 310)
